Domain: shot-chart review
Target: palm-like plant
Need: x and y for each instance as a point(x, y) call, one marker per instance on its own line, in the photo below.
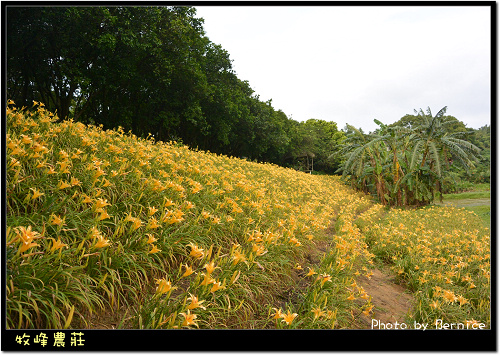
point(364, 161)
point(405, 165)
point(433, 145)
point(353, 150)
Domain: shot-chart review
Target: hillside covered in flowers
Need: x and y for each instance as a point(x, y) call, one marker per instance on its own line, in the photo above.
point(108, 230)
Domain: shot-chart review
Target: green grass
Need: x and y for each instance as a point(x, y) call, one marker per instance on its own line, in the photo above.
point(467, 195)
point(481, 187)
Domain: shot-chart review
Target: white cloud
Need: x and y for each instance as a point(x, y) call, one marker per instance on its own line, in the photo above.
point(353, 64)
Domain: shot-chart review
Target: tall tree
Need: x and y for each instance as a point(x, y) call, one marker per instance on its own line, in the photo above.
point(46, 55)
point(149, 69)
point(324, 140)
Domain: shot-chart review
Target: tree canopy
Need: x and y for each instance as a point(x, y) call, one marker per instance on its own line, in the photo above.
point(151, 70)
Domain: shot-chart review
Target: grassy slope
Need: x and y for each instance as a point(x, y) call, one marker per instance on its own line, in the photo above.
point(105, 228)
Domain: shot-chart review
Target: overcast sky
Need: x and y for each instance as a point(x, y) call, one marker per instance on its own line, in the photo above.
point(352, 64)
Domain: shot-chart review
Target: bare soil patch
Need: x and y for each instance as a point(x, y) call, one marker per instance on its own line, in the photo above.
point(391, 301)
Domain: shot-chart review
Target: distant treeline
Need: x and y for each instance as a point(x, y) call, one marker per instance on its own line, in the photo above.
point(152, 70)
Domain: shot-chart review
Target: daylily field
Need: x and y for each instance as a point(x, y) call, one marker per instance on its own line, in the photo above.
point(108, 230)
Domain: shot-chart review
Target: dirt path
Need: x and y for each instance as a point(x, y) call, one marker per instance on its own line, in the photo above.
point(391, 301)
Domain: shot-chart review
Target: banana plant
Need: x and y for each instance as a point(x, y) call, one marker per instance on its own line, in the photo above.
point(405, 165)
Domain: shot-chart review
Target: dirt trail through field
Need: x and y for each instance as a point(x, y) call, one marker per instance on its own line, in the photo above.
point(391, 301)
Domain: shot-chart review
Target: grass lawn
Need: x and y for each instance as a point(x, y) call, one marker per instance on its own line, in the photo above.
point(467, 195)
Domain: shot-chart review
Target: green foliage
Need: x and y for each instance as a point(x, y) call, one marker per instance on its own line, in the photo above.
point(150, 70)
point(407, 163)
point(457, 179)
point(471, 194)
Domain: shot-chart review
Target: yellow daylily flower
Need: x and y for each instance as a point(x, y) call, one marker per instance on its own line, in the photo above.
point(317, 313)
point(168, 203)
point(75, 182)
point(56, 220)
point(86, 199)
point(195, 303)
point(104, 214)
point(449, 296)
point(152, 210)
point(56, 245)
point(196, 252)
point(36, 193)
point(311, 272)
point(189, 271)
point(189, 319)
point(462, 300)
point(217, 286)
point(136, 223)
point(237, 257)
point(153, 223)
point(151, 239)
point(365, 296)
point(101, 242)
point(259, 249)
point(207, 280)
point(210, 267)
point(62, 185)
point(324, 278)
point(164, 286)
point(434, 304)
point(100, 203)
point(106, 182)
point(205, 214)
point(367, 311)
point(277, 313)
point(289, 317)
point(154, 250)
point(27, 245)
